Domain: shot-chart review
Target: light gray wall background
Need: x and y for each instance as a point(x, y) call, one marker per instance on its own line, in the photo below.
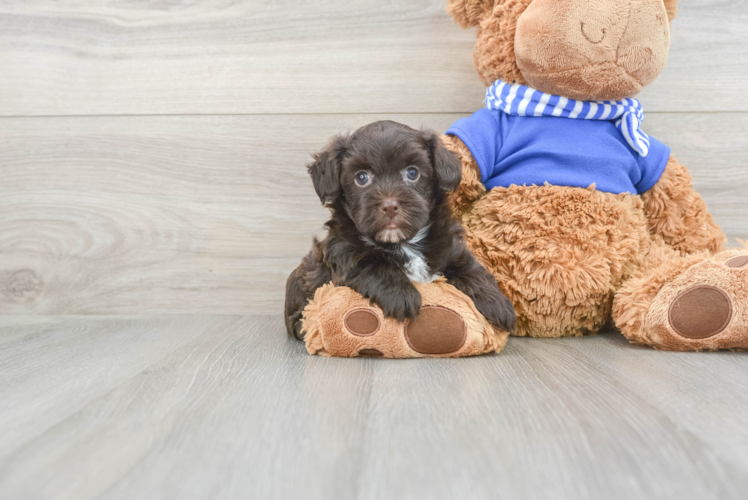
point(152, 152)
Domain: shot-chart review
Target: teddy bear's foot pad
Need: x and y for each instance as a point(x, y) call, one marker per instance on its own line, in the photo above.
point(436, 330)
point(362, 323)
point(340, 322)
point(703, 308)
point(700, 312)
point(739, 261)
point(370, 353)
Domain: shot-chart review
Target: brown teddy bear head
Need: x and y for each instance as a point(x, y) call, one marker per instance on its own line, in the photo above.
point(580, 49)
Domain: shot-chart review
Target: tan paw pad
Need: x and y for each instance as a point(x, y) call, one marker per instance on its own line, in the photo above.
point(371, 353)
point(362, 323)
point(700, 312)
point(437, 330)
point(739, 261)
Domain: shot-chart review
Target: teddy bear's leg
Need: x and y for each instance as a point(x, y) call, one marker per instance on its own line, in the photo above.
point(340, 322)
point(689, 295)
point(558, 253)
point(677, 215)
point(687, 303)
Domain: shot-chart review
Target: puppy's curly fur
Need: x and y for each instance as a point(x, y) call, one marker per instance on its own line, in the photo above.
point(386, 186)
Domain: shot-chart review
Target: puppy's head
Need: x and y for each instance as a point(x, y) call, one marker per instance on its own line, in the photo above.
point(387, 177)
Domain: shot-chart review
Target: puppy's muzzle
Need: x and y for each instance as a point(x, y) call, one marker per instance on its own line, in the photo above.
point(390, 208)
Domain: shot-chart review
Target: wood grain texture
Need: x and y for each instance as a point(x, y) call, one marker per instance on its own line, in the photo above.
point(305, 56)
point(127, 215)
point(228, 407)
point(707, 67)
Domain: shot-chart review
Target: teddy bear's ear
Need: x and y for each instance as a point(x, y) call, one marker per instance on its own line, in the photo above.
point(469, 13)
point(325, 169)
point(672, 8)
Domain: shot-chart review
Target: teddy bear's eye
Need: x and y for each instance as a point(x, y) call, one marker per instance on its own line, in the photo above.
point(362, 178)
point(412, 173)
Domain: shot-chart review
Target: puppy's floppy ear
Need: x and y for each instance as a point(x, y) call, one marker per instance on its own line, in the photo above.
point(469, 13)
point(671, 6)
point(325, 169)
point(446, 164)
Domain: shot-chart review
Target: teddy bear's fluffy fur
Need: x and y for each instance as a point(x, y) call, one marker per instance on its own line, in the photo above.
point(574, 260)
point(561, 253)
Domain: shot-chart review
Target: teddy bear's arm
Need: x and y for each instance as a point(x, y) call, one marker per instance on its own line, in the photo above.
point(471, 188)
point(677, 213)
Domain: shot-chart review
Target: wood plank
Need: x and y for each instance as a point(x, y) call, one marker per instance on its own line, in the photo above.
point(90, 357)
point(121, 215)
point(311, 56)
point(234, 409)
point(708, 62)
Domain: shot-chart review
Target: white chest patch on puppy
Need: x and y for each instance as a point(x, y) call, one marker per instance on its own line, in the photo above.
point(416, 267)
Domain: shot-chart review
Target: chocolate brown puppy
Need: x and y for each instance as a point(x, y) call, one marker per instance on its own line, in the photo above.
point(391, 225)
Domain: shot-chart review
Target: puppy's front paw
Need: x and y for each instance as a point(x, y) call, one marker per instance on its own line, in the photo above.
point(400, 304)
point(293, 325)
point(497, 309)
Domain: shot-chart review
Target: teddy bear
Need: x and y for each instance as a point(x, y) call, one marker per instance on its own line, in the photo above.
point(584, 219)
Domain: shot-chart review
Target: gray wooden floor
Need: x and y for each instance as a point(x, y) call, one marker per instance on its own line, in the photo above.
point(227, 407)
point(153, 199)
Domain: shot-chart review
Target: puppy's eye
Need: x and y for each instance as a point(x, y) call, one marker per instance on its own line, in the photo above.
point(412, 173)
point(362, 177)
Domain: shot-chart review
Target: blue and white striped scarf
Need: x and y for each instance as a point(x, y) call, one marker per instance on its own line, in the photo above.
point(520, 100)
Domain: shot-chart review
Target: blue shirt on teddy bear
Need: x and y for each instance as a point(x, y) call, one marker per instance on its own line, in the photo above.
point(533, 150)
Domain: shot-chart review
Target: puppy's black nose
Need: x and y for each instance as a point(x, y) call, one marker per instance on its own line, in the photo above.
point(390, 207)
